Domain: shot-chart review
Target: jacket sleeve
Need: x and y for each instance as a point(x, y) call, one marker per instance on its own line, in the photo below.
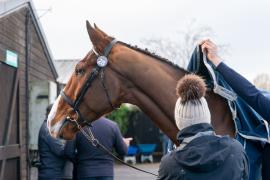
point(70, 149)
point(169, 169)
point(162, 171)
point(246, 90)
point(56, 146)
point(120, 146)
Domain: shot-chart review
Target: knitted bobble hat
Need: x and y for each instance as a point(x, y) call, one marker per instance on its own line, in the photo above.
point(191, 106)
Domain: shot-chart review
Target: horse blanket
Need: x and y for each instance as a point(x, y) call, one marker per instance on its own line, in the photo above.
point(252, 131)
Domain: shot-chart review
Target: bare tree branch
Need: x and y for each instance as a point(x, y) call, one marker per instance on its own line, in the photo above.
point(262, 81)
point(180, 48)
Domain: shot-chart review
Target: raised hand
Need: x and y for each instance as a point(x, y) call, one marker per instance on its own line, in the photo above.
point(211, 50)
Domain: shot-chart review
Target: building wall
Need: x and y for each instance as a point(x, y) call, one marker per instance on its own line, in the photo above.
point(13, 37)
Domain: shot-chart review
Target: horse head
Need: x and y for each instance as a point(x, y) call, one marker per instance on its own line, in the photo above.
point(92, 90)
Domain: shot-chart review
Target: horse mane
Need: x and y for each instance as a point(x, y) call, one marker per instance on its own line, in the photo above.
point(156, 56)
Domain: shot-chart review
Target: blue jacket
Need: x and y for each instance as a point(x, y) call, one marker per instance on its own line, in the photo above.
point(52, 155)
point(205, 156)
point(247, 91)
point(91, 161)
point(251, 127)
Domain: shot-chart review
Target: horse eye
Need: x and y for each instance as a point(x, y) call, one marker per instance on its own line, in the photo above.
point(79, 71)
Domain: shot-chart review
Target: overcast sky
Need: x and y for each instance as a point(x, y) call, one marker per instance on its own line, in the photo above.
point(243, 24)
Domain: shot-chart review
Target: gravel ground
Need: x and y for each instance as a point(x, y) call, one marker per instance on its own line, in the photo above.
point(123, 172)
point(126, 173)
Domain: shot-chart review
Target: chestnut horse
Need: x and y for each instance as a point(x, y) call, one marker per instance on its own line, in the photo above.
point(133, 76)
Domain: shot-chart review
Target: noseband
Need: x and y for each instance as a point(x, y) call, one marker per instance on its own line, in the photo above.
point(102, 61)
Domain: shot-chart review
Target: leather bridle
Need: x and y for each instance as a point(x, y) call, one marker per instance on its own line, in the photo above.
point(102, 61)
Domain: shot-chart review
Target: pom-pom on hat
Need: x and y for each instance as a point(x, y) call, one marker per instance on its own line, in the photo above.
point(191, 106)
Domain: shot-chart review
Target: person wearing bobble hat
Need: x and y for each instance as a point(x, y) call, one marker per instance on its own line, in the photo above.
point(201, 154)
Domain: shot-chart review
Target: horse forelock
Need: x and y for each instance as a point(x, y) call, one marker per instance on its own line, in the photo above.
point(86, 61)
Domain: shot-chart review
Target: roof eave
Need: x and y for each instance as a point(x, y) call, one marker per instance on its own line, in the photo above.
point(16, 5)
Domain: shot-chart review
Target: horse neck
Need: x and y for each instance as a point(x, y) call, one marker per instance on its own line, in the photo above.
point(153, 78)
point(150, 84)
point(153, 87)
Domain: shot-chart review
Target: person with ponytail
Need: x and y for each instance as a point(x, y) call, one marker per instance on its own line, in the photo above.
point(201, 154)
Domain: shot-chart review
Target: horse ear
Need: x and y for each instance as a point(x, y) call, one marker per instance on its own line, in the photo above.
point(95, 36)
point(99, 30)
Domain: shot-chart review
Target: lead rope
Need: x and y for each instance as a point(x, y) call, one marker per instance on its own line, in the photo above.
point(91, 138)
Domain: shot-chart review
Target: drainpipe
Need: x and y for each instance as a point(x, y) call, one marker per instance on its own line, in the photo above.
point(27, 64)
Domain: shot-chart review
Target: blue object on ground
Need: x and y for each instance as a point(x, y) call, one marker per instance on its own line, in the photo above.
point(132, 150)
point(146, 149)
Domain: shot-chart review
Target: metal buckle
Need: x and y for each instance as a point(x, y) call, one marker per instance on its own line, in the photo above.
point(75, 119)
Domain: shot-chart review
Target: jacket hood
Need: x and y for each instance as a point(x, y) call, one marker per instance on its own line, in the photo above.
point(205, 153)
point(193, 130)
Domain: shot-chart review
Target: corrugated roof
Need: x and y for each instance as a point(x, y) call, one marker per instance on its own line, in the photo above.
point(65, 68)
point(10, 6)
